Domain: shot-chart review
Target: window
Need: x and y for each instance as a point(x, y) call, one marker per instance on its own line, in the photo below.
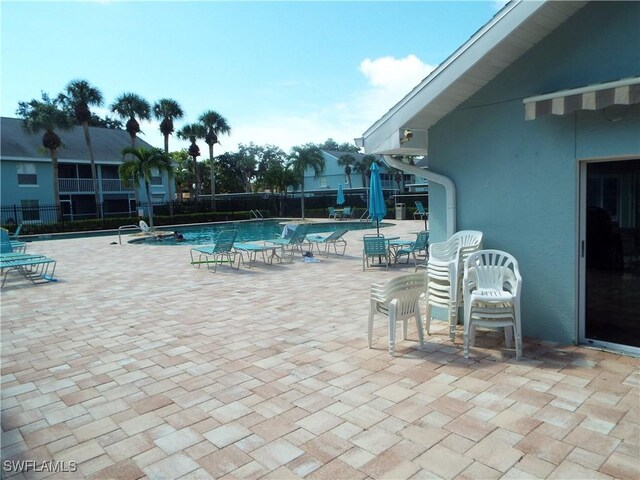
point(156, 178)
point(30, 210)
point(323, 182)
point(27, 174)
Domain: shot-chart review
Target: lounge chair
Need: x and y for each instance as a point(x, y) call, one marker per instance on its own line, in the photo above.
point(327, 240)
point(398, 299)
point(332, 213)
point(220, 252)
point(31, 266)
point(292, 243)
point(421, 244)
point(8, 246)
point(16, 234)
point(420, 212)
point(375, 246)
point(347, 212)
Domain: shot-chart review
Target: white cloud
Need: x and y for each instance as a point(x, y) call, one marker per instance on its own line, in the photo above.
point(387, 81)
point(390, 80)
point(395, 73)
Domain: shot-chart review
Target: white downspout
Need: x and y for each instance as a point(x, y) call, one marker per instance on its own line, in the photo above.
point(446, 182)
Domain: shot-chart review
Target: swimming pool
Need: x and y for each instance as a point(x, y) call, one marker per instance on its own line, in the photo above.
point(253, 230)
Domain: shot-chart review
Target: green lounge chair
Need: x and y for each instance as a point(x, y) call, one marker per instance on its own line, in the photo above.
point(32, 267)
point(334, 239)
point(292, 243)
point(420, 212)
point(421, 244)
point(220, 252)
point(7, 245)
point(16, 234)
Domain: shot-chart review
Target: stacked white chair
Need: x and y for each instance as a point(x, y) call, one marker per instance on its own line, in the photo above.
point(444, 274)
point(492, 287)
point(398, 299)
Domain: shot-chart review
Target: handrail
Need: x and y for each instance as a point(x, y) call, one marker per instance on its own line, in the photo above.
point(365, 216)
point(126, 227)
point(256, 213)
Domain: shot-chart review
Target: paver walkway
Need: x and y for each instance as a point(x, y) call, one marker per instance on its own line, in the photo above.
point(135, 364)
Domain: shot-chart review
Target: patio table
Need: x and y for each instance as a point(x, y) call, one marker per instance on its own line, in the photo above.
point(253, 248)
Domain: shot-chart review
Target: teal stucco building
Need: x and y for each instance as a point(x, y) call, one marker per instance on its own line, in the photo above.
point(532, 129)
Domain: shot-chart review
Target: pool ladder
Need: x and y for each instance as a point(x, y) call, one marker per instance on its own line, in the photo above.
point(126, 227)
point(255, 213)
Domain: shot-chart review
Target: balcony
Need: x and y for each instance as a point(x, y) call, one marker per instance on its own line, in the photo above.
point(115, 185)
point(85, 185)
point(75, 185)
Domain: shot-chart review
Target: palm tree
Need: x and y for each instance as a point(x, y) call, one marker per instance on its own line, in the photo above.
point(129, 106)
point(347, 160)
point(46, 115)
point(303, 158)
point(167, 110)
point(193, 132)
point(79, 95)
point(364, 167)
point(216, 125)
point(141, 167)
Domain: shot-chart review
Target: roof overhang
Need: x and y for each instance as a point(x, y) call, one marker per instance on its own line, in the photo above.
point(510, 33)
point(592, 97)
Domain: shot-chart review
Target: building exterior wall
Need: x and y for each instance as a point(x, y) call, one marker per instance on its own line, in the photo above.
point(107, 147)
point(12, 193)
point(517, 180)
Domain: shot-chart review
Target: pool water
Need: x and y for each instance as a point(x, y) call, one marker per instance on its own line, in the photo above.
point(253, 230)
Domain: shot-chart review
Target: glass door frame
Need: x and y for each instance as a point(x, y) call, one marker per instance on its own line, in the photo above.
point(581, 261)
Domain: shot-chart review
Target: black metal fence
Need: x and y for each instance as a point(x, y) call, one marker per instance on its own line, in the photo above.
point(64, 218)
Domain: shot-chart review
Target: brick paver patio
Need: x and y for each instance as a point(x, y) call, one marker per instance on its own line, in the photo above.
point(137, 365)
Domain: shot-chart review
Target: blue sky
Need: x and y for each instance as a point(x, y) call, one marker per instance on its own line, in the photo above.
point(284, 73)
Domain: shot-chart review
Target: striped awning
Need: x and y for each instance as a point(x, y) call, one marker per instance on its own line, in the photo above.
point(593, 97)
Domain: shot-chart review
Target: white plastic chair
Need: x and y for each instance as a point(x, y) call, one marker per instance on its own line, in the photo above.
point(492, 286)
point(444, 274)
point(398, 299)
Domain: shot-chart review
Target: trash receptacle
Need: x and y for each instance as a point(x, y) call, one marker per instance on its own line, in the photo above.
point(401, 211)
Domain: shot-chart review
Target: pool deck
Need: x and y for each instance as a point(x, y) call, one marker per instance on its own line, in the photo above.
point(135, 364)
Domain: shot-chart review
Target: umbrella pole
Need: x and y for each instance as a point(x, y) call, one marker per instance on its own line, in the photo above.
point(378, 233)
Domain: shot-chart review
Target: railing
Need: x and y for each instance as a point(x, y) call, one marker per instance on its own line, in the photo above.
point(75, 185)
point(256, 213)
point(115, 185)
point(126, 227)
point(85, 185)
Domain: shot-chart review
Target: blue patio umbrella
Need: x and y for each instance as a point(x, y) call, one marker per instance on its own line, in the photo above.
point(340, 199)
point(377, 207)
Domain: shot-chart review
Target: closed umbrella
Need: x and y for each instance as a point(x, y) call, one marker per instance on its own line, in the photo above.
point(340, 199)
point(377, 207)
